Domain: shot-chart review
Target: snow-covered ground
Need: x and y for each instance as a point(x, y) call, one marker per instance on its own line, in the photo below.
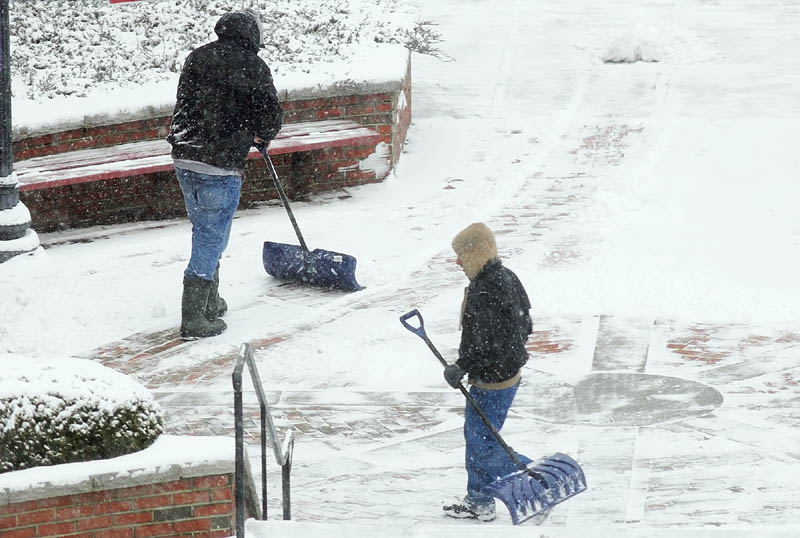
point(660, 192)
point(696, 221)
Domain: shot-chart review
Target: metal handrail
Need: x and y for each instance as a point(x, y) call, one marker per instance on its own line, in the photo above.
point(283, 455)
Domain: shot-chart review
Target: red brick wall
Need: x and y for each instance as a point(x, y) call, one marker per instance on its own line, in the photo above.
point(379, 111)
point(374, 111)
point(200, 507)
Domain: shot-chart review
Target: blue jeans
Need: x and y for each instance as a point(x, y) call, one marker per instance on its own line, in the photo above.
point(211, 202)
point(486, 460)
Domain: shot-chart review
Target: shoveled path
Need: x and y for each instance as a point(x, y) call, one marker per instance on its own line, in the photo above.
point(675, 424)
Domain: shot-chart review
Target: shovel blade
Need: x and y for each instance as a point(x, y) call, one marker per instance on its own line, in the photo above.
point(544, 484)
point(319, 268)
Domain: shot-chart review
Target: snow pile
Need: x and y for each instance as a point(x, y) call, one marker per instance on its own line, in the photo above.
point(378, 161)
point(631, 48)
point(85, 45)
point(70, 410)
point(649, 43)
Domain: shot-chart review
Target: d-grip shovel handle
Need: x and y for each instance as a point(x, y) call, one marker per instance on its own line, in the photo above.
point(420, 331)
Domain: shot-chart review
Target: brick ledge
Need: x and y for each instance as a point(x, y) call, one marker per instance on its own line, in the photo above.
point(151, 111)
point(164, 461)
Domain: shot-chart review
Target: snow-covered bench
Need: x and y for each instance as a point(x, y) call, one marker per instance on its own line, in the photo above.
point(61, 190)
point(150, 156)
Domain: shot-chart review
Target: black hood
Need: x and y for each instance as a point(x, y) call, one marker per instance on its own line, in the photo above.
point(240, 26)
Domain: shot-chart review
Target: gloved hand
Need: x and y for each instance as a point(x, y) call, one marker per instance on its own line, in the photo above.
point(453, 374)
point(260, 144)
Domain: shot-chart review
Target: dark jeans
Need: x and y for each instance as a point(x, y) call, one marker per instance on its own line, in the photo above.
point(211, 202)
point(486, 460)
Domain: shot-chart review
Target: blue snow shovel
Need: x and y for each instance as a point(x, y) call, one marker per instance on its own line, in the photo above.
point(534, 489)
point(320, 268)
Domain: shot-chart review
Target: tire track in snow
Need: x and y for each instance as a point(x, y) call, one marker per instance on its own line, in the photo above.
point(506, 66)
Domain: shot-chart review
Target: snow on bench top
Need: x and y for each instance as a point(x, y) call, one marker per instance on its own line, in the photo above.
point(153, 156)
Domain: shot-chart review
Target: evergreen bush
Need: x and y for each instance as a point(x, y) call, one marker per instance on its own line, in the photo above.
point(71, 47)
point(69, 411)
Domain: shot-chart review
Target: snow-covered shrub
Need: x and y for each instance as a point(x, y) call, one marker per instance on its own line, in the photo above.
point(72, 46)
point(654, 43)
point(70, 410)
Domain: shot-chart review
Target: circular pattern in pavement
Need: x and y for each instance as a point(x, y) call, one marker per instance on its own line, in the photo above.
point(623, 399)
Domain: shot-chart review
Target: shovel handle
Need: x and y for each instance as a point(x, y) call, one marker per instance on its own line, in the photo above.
point(263, 149)
point(420, 331)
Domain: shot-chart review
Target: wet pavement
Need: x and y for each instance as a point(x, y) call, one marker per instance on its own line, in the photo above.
point(675, 424)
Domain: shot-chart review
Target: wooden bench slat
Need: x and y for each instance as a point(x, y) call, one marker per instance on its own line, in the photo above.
point(322, 126)
point(147, 157)
point(318, 140)
point(91, 157)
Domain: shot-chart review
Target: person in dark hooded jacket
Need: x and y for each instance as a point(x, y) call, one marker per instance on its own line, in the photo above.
point(495, 324)
point(226, 103)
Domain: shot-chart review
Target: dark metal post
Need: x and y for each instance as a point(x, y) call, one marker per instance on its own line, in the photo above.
point(263, 460)
point(6, 156)
point(286, 469)
point(267, 427)
point(238, 419)
point(16, 237)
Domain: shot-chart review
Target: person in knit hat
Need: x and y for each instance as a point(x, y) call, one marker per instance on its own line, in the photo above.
point(495, 324)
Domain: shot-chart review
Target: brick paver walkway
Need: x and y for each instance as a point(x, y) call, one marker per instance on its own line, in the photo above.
point(608, 390)
point(601, 388)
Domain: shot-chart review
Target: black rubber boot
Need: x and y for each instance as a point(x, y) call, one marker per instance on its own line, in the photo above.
point(216, 306)
point(195, 298)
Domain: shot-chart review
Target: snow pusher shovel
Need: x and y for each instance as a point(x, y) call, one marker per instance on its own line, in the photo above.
point(534, 489)
point(321, 268)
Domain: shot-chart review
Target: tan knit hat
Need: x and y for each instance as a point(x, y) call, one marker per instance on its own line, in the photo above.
point(474, 246)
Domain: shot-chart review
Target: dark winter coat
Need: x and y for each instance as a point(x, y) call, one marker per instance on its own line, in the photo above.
point(226, 97)
point(495, 325)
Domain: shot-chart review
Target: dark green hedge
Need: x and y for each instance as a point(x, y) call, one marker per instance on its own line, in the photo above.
point(49, 429)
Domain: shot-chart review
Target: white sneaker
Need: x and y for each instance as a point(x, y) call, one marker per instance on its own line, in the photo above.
point(465, 509)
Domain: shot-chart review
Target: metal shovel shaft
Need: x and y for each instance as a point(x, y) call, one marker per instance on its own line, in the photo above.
point(534, 489)
point(420, 331)
point(282, 194)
